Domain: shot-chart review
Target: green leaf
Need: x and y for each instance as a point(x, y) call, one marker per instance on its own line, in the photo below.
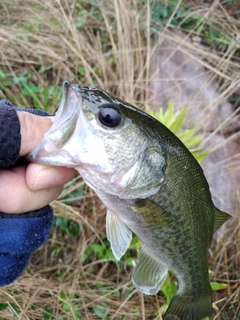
point(193, 141)
point(47, 314)
point(169, 116)
point(173, 121)
point(3, 306)
point(169, 289)
point(15, 310)
point(149, 111)
point(218, 286)
point(186, 134)
point(2, 75)
point(101, 311)
point(7, 83)
point(198, 155)
point(176, 126)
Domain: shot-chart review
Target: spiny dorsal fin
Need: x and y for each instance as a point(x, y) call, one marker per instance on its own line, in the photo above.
point(149, 273)
point(220, 217)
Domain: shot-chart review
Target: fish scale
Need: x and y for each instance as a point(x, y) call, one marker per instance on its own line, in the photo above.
point(150, 184)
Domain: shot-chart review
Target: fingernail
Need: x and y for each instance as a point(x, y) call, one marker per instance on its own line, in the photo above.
point(47, 178)
point(52, 118)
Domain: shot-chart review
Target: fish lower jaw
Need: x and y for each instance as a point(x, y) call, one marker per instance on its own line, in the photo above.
point(61, 158)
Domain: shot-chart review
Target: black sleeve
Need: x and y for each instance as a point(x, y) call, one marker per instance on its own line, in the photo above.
point(10, 137)
point(20, 234)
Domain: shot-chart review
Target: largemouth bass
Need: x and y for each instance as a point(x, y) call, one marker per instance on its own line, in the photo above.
point(151, 185)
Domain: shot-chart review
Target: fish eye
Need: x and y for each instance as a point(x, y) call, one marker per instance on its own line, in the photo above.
point(109, 116)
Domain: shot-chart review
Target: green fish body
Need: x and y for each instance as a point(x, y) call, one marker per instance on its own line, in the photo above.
point(151, 185)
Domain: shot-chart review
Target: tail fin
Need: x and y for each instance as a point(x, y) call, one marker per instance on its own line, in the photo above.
point(184, 307)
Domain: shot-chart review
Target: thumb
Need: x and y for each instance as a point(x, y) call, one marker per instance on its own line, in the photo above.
point(33, 128)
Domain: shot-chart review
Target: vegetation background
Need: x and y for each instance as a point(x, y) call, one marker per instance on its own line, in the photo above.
point(145, 52)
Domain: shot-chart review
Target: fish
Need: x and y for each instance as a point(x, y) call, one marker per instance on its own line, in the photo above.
point(151, 185)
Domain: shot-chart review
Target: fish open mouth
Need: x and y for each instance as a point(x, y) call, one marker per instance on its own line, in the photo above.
point(61, 130)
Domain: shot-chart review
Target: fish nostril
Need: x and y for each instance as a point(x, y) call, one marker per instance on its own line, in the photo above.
point(84, 87)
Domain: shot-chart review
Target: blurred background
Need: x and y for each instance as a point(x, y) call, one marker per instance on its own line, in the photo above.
point(158, 55)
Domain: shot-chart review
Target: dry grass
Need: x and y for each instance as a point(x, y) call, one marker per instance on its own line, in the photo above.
point(107, 44)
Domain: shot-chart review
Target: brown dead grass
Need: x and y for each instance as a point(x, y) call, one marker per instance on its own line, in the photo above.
point(46, 39)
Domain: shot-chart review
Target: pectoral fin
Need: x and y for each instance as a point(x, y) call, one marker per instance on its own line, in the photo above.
point(118, 234)
point(219, 218)
point(152, 213)
point(149, 273)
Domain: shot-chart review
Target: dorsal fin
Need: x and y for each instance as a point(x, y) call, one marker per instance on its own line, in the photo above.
point(220, 217)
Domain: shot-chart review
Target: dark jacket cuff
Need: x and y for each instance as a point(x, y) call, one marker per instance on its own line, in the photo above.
point(20, 234)
point(10, 136)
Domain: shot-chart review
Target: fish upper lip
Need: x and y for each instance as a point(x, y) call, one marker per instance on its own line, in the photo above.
point(73, 91)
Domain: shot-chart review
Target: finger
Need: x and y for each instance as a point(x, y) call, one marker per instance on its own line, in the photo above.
point(40, 176)
point(32, 129)
point(16, 197)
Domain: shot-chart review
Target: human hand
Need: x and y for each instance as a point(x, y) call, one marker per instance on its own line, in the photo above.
point(30, 187)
